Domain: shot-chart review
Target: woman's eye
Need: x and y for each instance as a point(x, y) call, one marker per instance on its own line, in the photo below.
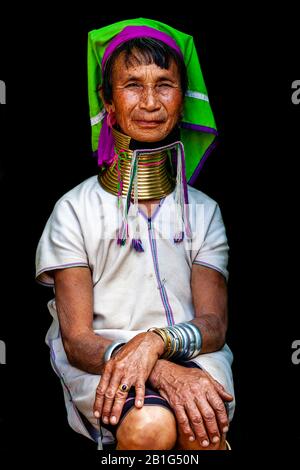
point(132, 85)
point(165, 85)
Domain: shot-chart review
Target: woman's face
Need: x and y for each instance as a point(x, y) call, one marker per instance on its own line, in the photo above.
point(147, 100)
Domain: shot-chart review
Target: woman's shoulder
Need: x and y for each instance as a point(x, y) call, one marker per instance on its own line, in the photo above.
point(198, 197)
point(86, 192)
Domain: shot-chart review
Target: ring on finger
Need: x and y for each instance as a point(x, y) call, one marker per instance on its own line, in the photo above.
point(124, 388)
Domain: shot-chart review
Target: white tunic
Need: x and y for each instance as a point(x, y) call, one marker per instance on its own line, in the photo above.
point(132, 291)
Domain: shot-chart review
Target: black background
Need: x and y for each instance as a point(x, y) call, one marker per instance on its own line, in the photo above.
point(249, 61)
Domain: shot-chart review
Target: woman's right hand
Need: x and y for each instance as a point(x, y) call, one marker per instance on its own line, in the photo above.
point(130, 366)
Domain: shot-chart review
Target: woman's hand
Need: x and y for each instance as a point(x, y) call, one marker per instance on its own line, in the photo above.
point(130, 366)
point(196, 399)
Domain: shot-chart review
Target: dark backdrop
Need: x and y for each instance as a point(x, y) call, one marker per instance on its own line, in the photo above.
point(248, 65)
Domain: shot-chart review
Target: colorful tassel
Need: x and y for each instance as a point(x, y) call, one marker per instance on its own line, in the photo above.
point(182, 223)
point(137, 245)
point(133, 183)
point(136, 240)
point(179, 237)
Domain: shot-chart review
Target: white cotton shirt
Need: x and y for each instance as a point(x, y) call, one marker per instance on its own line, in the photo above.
point(132, 291)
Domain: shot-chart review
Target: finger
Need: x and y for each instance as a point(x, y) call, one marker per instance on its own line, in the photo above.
point(110, 393)
point(221, 390)
point(165, 396)
point(119, 402)
point(139, 394)
point(100, 391)
point(220, 411)
point(197, 423)
point(209, 419)
point(225, 395)
point(183, 423)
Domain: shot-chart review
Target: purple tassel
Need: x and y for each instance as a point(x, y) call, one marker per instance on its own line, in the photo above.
point(179, 237)
point(137, 245)
point(106, 144)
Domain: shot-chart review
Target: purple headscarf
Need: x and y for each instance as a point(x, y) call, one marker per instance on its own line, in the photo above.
point(132, 32)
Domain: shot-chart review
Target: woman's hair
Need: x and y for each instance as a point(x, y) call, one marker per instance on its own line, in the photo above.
point(143, 51)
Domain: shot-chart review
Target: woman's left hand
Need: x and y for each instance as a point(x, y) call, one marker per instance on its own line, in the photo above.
point(196, 399)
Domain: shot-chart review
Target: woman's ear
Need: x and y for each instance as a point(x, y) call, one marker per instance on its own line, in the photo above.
point(109, 107)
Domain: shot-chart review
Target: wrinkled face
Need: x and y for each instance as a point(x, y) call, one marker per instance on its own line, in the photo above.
point(147, 100)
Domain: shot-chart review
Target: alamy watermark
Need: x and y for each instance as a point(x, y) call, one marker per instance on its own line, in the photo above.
point(296, 353)
point(296, 94)
point(2, 92)
point(167, 223)
point(2, 352)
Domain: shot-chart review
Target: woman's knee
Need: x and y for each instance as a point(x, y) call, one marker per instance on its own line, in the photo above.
point(149, 428)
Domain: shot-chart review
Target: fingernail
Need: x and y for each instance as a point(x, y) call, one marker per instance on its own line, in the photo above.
point(139, 402)
point(105, 420)
point(191, 438)
point(225, 429)
point(205, 443)
point(97, 414)
point(113, 420)
point(215, 439)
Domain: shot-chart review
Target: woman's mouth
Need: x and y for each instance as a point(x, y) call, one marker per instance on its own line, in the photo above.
point(148, 124)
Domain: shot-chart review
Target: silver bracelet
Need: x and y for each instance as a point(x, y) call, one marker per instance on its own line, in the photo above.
point(110, 349)
point(198, 339)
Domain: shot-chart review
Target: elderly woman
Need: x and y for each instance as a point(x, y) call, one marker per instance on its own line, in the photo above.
point(138, 257)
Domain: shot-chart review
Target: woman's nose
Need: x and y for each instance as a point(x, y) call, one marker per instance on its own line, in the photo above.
point(149, 99)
